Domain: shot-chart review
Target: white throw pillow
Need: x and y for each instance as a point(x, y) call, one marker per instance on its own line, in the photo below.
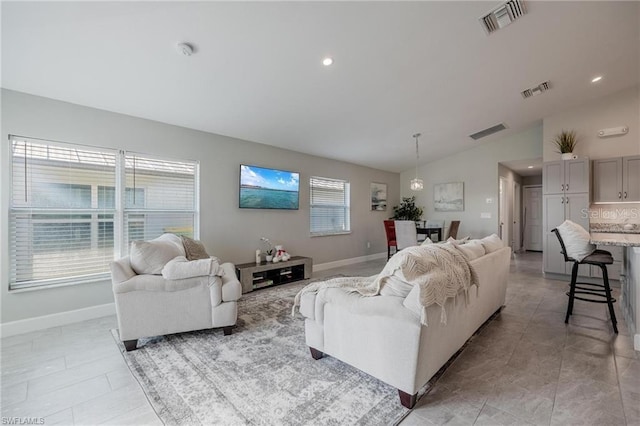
point(149, 257)
point(426, 241)
point(576, 240)
point(472, 250)
point(492, 243)
point(395, 286)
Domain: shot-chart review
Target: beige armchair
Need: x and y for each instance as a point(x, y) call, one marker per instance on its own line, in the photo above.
point(150, 305)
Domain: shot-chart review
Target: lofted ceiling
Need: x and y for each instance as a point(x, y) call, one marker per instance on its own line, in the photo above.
point(257, 74)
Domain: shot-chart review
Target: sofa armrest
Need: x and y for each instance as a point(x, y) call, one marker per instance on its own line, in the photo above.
point(231, 287)
point(121, 271)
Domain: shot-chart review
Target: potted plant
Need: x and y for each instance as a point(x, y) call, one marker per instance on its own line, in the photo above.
point(407, 210)
point(566, 142)
point(269, 251)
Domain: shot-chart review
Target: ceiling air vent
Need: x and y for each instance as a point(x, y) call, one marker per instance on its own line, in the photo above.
point(542, 87)
point(503, 15)
point(486, 132)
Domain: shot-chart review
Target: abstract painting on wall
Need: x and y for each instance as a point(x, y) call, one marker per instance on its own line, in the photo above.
point(378, 196)
point(448, 197)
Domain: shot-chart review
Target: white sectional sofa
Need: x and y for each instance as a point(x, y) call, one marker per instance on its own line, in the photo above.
point(383, 335)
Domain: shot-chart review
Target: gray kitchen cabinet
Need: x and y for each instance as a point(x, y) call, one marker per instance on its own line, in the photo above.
point(557, 208)
point(565, 186)
point(631, 178)
point(566, 177)
point(616, 179)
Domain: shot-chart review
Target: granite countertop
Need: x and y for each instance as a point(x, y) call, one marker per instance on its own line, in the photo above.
point(615, 239)
point(628, 228)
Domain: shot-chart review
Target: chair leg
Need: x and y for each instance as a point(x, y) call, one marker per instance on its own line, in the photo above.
point(407, 400)
point(130, 345)
point(227, 330)
point(572, 291)
point(607, 288)
point(315, 354)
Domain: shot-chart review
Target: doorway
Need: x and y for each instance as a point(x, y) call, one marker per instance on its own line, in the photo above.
point(503, 210)
point(516, 241)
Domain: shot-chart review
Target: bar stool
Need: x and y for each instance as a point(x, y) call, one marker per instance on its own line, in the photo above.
point(595, 293)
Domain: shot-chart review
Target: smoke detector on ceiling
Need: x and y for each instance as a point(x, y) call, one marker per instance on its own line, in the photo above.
point(502, 15)
point(536, 90)
point(185, 48)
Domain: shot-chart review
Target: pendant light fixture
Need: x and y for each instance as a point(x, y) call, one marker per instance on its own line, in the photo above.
point(417, 184)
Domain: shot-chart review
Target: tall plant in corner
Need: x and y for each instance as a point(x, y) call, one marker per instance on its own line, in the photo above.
point(566, 142)
point(407, 210)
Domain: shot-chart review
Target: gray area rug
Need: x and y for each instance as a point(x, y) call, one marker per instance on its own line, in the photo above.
point(262, 374)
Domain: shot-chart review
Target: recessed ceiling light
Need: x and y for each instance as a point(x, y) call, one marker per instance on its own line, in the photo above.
point(529, 167)
point(596, 79)
point(327, 61)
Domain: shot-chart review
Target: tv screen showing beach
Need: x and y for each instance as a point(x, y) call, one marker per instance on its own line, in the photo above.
point(262, 188)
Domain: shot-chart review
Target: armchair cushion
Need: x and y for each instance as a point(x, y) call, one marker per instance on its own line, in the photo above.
point(156, 283)
point(180, 268)
point(149, 257)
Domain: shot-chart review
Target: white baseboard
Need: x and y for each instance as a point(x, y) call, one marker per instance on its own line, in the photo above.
point(346, 262)
point(54, 320)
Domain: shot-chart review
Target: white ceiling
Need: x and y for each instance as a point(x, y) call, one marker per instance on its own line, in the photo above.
point(400, 68)
point(526, 167)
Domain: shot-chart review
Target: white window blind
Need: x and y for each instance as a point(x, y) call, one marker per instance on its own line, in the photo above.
point(330, 212)
point(69, 217)
point(58, 232)
point(161, 197)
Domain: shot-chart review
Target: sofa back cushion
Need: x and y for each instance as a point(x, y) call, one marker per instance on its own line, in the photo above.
point(149, 257)
point(492, 243)
point(395, 285)
point(471, 250)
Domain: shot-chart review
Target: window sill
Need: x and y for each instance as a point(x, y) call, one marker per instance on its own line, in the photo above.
point(329, 234)
point(24, 288)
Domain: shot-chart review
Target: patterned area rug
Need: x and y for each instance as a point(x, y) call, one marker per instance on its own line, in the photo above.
point(261, 374)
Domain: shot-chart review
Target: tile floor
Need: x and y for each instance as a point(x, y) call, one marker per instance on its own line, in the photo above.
point(526, 367)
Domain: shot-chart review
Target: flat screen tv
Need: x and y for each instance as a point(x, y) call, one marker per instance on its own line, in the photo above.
point(262, 188)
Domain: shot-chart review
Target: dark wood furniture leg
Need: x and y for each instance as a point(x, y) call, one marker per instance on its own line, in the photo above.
point(316, 354)
point(130, 345)
point(227, 330)
point(407, 400)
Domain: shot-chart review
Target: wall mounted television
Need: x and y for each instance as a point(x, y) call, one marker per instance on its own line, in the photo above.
point(263, 188)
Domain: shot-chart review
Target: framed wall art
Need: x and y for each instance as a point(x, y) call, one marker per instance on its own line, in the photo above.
point(448, 197)
point(378, 196)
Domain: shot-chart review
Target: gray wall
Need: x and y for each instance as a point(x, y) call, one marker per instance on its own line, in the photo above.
point(227, 231)
point(478, 169)
point(619, 109)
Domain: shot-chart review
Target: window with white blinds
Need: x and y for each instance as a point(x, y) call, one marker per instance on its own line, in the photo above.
point(65, 222)
point(329, 202)
point(161, 197)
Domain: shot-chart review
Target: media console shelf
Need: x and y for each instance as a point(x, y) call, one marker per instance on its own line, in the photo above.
point(266, 274)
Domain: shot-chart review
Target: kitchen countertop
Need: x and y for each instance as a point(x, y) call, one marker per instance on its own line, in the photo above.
point(615, 239)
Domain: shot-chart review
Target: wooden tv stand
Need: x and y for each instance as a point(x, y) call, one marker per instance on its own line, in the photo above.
point(253, 276)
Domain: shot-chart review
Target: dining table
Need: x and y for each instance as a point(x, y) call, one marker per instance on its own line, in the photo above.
point(429, 231)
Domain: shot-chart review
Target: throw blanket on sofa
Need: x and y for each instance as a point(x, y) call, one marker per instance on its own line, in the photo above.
point(440, 270)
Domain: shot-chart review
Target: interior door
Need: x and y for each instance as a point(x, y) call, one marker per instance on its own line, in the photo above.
point(533, 218)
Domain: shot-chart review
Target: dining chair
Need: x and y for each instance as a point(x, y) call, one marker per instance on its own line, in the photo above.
point(406, 235)
point(390, 230)
point(453, 229)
